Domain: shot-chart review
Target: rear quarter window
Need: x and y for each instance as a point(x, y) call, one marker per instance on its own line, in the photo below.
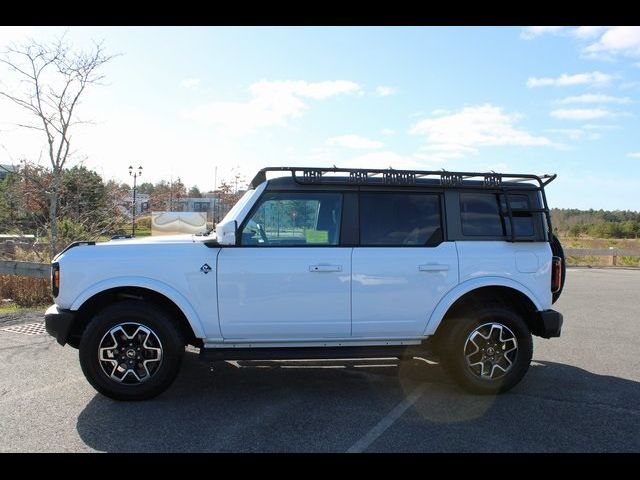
point(479, 215)
point(486, 215)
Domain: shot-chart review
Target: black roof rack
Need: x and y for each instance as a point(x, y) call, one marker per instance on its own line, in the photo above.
point(390, 176)
point(503, 182)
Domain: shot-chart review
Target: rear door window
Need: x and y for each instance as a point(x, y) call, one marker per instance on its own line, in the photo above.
point(400, 219)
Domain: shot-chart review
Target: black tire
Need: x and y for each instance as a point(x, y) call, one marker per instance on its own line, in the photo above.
point(161, 373)
point(454, 355)
point(557, 251)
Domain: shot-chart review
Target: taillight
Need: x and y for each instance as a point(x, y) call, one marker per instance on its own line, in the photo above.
point(55, 279)
point(556, 274)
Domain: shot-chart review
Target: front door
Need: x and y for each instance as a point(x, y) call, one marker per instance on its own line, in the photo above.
point(289, 278)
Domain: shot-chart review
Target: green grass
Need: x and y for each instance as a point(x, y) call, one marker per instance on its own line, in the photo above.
point(14, 308)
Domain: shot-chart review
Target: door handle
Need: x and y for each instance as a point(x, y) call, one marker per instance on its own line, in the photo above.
point(433, 267)
point(325, 268)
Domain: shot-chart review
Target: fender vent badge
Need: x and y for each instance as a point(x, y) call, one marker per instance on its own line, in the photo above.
point(205, 268)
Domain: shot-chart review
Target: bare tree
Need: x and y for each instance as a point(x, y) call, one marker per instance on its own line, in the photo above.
point(227, 198)
point(53, 78)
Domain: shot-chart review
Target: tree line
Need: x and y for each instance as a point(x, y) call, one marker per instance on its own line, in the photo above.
point(88, 207)
point(596, 223)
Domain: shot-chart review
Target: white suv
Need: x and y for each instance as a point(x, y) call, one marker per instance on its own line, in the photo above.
point(324, 263)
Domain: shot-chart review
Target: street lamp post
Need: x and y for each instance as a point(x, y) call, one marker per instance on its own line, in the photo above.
point(135, 174)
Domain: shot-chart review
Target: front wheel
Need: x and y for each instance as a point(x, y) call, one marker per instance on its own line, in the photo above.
point(487, 351)
point(131, 351)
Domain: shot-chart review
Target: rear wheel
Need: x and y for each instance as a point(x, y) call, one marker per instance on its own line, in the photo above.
point(487, 351)
point(131, 351)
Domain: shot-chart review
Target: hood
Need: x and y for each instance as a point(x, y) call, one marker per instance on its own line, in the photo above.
point(184, 238)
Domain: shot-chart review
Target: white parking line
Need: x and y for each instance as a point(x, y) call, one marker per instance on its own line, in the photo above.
point(312, 366)
point(426, 360)
point(371, 436)
point(376, 366)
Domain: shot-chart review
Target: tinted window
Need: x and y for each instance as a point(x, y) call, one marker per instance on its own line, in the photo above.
point(291, 219)
point(480, 215)
point(399, 219)
point(523, 221)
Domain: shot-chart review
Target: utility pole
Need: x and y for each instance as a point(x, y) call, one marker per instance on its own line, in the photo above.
point(215, 195)
point(135, 175)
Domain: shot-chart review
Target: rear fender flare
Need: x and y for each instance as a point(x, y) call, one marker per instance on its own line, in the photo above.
point(468, 286)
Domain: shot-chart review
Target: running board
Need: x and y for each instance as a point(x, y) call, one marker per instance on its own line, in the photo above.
point(298, 353)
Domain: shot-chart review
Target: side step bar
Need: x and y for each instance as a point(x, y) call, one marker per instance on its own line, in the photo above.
point(298, 353)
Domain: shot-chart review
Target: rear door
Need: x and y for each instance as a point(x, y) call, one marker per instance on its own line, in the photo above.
point(402, 267)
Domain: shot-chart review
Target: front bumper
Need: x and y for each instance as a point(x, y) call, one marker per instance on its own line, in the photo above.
point(548, 323)
point(58, 323)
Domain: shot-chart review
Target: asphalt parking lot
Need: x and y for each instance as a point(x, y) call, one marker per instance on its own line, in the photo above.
point(582, 394)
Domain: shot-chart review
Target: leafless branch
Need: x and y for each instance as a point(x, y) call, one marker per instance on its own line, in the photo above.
point(53, 103)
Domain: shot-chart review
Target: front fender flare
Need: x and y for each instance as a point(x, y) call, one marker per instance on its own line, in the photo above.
point(150, 284)
point(468, 286)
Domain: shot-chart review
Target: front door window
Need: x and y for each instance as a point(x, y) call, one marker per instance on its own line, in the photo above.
point(294, 219)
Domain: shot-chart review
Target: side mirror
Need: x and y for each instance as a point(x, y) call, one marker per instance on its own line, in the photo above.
point(226, 233)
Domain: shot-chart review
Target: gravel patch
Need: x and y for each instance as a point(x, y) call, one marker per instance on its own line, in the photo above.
point(26, 316)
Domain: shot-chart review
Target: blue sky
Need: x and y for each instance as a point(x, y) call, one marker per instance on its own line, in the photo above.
point(183, 101)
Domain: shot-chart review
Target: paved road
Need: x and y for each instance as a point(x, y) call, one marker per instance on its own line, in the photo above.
point(582, 394)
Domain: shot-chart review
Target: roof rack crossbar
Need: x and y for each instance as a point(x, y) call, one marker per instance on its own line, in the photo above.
point(390, 176)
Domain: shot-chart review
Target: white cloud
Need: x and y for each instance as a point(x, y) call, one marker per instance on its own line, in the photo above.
point(532, 32)
point(354, 141)
point(572, 133)
point(617, 41)
point(383, 159)
point(564, 80)
point(589, 131)
point(596, 98)
point(463, 132)
point(634, 154)
point(447, 150)
point(272, 103)
point(383, 91)
point(609, 41)
point(629, 85)
point(596, 126)
point(587, 32)
point(582, 33)
point(387, 131)
point(440, 111)
point(190, 83)
point(580, 113)
point(315, 90)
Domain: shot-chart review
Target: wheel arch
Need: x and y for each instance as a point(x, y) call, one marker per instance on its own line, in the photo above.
point(472, 293)
point(97, 297)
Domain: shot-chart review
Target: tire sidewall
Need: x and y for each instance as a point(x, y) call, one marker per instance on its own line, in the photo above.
point(144, 314)
point(455, 360)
